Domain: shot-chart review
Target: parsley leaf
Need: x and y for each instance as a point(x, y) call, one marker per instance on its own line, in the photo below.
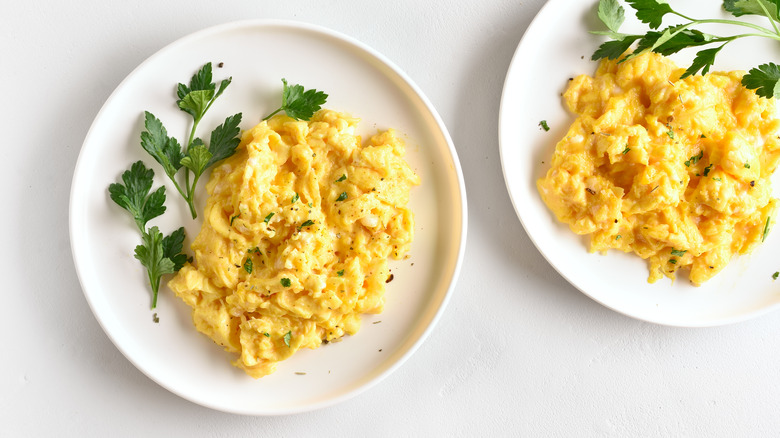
point(172, 245)
point(298, 103)
point(248, 265)
point(286, 282)
point(342, 177)
point(650, 12)
point(611, 14)
point(134, 195)
point(765, 79)
point(224, 139)
point(614, 49)
point(342, 197)
point(678, 253)
point(703, 61)
point(287, 337)
point(739, 8)
point(295, 198)
point(150, 254)
point(165, 150)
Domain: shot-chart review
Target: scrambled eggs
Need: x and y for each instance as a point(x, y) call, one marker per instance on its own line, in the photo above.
point(674, 170)
point(297, 232)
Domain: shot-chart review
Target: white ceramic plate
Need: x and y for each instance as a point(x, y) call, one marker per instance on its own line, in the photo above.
point(555, 47)
point(257, 54)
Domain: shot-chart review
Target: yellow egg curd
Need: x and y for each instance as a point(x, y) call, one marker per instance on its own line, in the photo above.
point(297, 232)
point(674, 170)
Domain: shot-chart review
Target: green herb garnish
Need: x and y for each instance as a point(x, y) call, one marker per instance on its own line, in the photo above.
point(286, 282)
point(625, 151)
point(159, 254)
point(267, 335)
point(340, 273)
point(298, 103)
point(287, 337)
point(342, 197)
point(295, 198)
point(707, 170)
point(764, 79)
point(248, 265)
point(544, 125)
point(306, 224)
point(694, 159)
point(747, 166)
point(775, 275)
point(195, 99)
point(342, 178)
point(766, 228)
point(673, 261)
point(678, 253)
point(268, 218)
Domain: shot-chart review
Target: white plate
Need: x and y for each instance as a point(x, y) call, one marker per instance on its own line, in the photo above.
point(257, 54)
point(555, 47)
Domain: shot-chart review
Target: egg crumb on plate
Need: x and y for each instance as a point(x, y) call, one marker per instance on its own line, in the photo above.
point(298, 229)
point(674, 170)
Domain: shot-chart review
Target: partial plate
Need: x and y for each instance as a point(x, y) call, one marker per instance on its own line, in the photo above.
point(257, 54)
point(556, 47)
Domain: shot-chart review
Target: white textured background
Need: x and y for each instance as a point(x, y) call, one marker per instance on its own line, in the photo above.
point(518, 352)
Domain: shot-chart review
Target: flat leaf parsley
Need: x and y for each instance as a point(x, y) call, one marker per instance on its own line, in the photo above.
point(764, 79)
point(195, 99)
point(298, 103)
point(159, 254)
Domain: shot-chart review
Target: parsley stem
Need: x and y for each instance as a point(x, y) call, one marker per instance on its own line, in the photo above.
point(272, 114)
point(771, 21)
point(764, 31)
point(155, 287)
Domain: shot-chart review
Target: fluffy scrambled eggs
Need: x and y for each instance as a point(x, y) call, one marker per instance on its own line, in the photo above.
point(674, 170)
point(297, 232)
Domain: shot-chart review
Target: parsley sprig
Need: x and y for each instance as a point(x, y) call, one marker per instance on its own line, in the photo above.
point(764, 79)
point(298, 103)
point(159, 254)
point(195, 99)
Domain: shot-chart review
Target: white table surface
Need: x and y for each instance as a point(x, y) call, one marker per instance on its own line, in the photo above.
point(518, 351)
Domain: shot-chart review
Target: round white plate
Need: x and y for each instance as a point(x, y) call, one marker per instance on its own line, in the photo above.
point(555, 47)
point(257, 54)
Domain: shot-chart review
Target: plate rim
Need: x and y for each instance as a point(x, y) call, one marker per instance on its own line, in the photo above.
point(296, 25)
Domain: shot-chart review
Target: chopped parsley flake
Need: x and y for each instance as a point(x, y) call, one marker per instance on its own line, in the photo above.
point(716, 179)
point(678, 253)
point(287, 337)
point(703, 136)
point(342, 197)
point(747, 166)
point(286, 282)
point(248, 265)
point(233, 218)
point(625, 151)
point(306, 224)
point(340, 273)
point(268, 218)
point(267, 335)
point(670, 133)
point(342, 178)
point(673, 261)
point(694, 159)
point(775, 275)
point(707, 170)
point(766, 228)
point(544, 125)
point(295, 198)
